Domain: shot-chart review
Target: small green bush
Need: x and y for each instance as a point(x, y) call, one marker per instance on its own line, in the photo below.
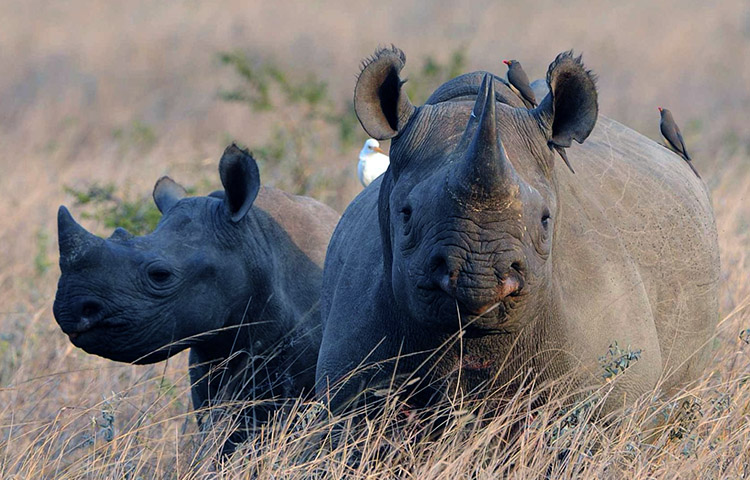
point(138, 216)
point(433, 74)
point(307, 124)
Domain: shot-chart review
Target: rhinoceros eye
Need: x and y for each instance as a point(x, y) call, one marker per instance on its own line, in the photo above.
point(406, 214)
point(159, 275)
point(545, 220)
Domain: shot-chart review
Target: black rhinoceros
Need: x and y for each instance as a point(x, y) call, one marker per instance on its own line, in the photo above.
point(478, 227)
point(235, 276)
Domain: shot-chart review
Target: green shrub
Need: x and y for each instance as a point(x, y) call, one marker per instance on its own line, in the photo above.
point(138, 216)
point(307, 124)
point(433, 74)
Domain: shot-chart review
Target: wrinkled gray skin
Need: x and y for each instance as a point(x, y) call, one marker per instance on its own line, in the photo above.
point(479, 227)
point(226, 275)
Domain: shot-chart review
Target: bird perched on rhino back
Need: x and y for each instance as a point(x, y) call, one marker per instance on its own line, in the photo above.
point(518, 79)
point(671, 133)
point(373, 162)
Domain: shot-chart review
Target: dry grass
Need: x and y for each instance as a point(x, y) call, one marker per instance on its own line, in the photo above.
point(77, 72)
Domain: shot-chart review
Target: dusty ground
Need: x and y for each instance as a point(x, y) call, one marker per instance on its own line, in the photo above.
point(124, 92)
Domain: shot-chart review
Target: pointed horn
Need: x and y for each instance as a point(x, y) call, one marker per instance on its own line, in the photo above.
point(476, 113)
point(73, 239)
point(485, 171)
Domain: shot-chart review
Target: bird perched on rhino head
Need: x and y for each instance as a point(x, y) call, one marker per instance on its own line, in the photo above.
point(518, 79)
point(671, 133)
point(373, 162)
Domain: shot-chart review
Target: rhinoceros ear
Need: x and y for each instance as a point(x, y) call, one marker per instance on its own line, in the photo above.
point(570, 109)
point(382, 106)
point(241, 179)
point(167, 192)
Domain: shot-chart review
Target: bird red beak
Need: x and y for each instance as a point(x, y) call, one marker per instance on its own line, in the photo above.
point(660, 109)
point(506, 62)
point(379, 150)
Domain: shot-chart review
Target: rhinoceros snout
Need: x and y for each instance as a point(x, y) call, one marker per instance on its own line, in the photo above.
point(475, 292)
point(82, 315)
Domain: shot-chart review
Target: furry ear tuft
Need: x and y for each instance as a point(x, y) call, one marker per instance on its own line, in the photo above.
point(382, 52)
point(572, 101)
point(381, 105)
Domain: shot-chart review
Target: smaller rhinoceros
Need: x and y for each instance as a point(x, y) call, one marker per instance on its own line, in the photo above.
point(235, 276)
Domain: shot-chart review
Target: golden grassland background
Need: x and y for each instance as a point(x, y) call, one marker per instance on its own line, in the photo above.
point(124, 92)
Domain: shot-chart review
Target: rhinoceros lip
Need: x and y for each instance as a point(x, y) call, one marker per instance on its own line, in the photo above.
point(76, 336)
point(85, 327)
point(492, 322)
point(84, 324)
point(491, 327)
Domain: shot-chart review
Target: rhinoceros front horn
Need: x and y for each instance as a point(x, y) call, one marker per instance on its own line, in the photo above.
point(73, 239)
point(485, 172)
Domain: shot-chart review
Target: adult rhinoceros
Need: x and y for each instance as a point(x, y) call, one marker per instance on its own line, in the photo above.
point(235, 276)
point(478, 227)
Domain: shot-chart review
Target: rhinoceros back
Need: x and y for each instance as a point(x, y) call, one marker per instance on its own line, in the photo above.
point(635, 211)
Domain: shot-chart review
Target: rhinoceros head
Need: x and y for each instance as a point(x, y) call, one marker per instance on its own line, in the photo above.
point(142, 299)
point(467, 209)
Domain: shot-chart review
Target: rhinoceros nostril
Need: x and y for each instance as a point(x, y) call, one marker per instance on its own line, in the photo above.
point(90, 308)
point(445, 285)
point(441, 276)
point(510, 286)
point(512, 282)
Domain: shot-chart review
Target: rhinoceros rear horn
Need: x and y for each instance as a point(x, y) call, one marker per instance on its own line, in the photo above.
point(241, 179)
point(74, 241)
point(382, 106)
point(570, 108)
point(167, 193)
point(485, 172)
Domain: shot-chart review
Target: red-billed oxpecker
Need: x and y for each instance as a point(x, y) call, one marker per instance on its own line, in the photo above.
point(671, 133)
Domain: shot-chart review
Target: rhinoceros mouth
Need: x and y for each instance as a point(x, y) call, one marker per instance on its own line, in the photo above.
point(492, 322)
point(78, 328)
point(82, 326)
point(480, 327)
point(86, 328)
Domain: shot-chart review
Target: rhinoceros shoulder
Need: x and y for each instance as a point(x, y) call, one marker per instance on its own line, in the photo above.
point(308, 222)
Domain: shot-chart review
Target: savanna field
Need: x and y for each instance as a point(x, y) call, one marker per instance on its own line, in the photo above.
point(98, 100)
